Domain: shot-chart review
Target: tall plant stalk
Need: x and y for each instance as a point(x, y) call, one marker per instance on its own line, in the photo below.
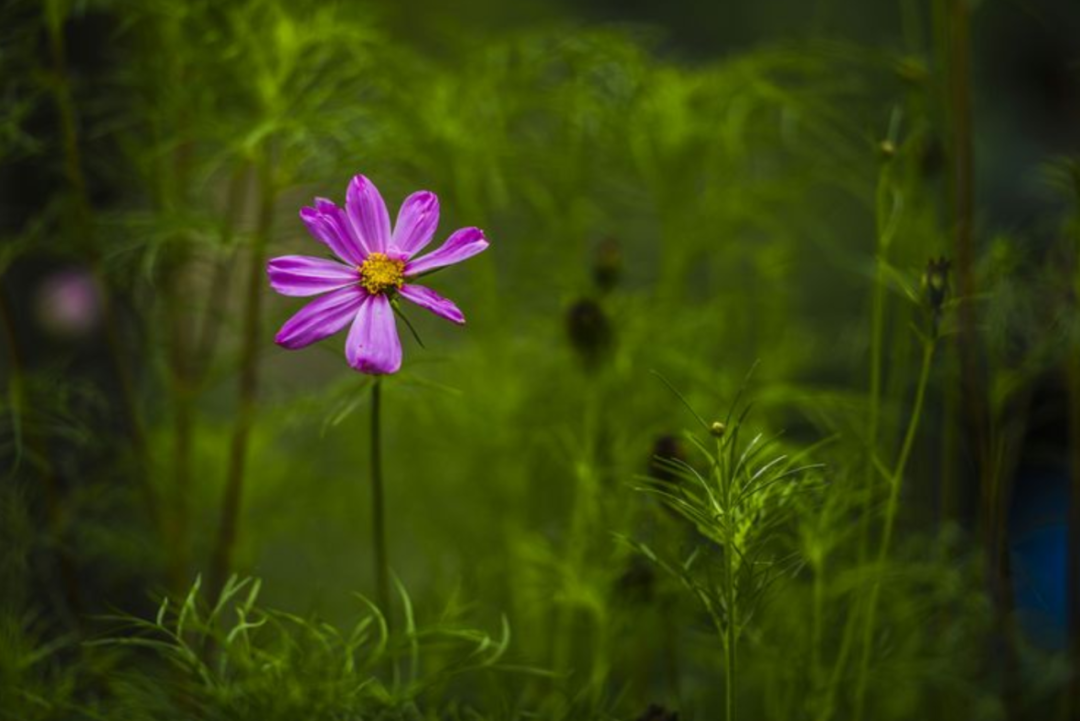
point(183, 429)
point(731, 627)
point(954, 40)
point(209, 327)
point(988, 444)
point(193, 347)
point(181, 365)
point(378, 503)
point(962, 188)
point(887, 208)
point(891, 511)
point(249, 378)
point(886, 211)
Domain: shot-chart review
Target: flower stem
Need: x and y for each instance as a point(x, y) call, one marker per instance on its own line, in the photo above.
point(885, 209)
point(378, 514)
point(891, 509)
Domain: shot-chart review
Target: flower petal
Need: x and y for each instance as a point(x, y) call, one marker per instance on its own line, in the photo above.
point(328, 224)
point(321, 318)
point(367, 214)
point(300, 275)
point(373, 345)
point(416, 223)
point(463, 244)
point(427, 298)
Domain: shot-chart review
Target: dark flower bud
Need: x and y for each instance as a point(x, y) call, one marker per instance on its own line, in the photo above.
point(935, 283)
point(589, 331)
point(931, 156)
point(887, 149)
point(667, 448)
point(608, 264)
point(717, 429)
point(637, 580)
point(655, 712)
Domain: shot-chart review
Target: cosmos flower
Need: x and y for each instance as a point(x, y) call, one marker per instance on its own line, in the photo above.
point(376, 266)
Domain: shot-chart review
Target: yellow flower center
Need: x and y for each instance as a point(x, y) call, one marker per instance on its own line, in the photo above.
point(379, 273)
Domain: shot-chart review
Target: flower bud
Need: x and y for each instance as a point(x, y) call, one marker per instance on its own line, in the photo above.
point(717, 429)
point(666, 448)
point(608, 264)
point(935, 283)
point(637, 580)
point(589, 331)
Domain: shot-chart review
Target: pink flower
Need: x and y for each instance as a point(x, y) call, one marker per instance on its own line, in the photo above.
point(377, 265)
point(69, 303)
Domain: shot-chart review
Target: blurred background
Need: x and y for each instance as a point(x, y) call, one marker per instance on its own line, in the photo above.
point(698, 196)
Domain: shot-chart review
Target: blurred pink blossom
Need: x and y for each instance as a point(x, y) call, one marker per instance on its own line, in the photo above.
point(67, 303)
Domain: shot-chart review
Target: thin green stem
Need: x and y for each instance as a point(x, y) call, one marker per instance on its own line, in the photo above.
point(876, 342)
point(217, 295)
point(885, 214)
point(891, 508)
point(731, 629)
point(816, 629)
point(183, 393)
point(730, 633)
point(841, 662)
point(954, 38)
point(378, 503)
point(190, 362)
point(248, 385)
point(183, 433)
point(885, 225)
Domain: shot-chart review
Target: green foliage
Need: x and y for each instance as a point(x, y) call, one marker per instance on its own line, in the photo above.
point(773, 209)
point(740, 506)
point(237, 660)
